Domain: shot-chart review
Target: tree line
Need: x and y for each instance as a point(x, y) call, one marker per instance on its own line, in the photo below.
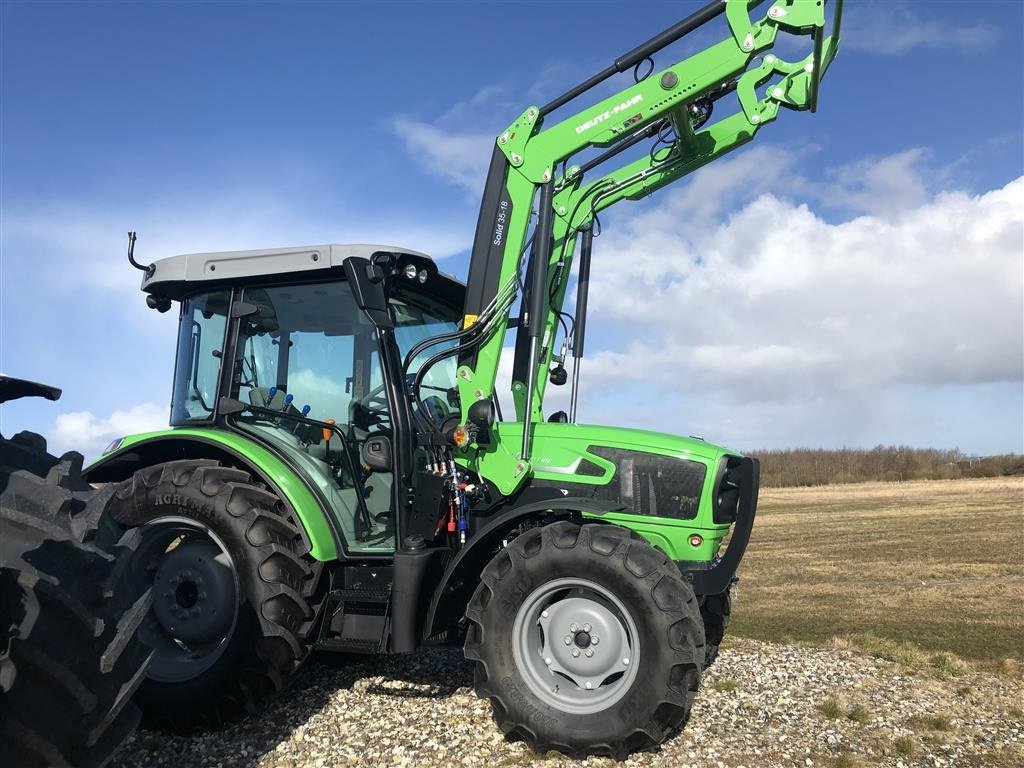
point(891, 463)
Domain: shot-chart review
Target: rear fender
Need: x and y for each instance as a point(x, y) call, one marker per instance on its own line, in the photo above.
point(136, 452)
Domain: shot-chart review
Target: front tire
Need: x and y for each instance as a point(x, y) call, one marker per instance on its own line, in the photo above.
point(232, 583)
point(553, 694)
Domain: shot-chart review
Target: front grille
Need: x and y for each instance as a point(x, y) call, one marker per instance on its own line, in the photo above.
point(649, 484)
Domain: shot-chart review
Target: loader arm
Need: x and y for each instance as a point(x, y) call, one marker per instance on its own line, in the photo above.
point(576, 204)
point(673, 106)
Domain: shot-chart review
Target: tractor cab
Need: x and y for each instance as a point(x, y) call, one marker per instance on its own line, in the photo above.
point(274, 344)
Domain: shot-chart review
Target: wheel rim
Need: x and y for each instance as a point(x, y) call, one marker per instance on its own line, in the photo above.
point(576, 645)
point(195, 598)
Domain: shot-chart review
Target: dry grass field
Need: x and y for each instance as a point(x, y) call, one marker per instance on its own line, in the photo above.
point(891, 568)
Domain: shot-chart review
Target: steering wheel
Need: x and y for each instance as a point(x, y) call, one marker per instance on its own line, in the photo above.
point(372, 410)
point(436, 409)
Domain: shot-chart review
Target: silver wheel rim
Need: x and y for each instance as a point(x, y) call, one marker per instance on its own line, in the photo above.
point(576, 646)
point(195, 598)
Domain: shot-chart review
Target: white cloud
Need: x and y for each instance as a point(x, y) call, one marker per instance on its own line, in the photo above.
point(89, 434)
point(457, 144)
point(883, 185)
point(784, 305)
point(730, 309)
point(893, 29)
point(458, 157)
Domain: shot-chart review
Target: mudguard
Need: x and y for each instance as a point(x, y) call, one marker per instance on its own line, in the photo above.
point(129, 454)
point(460, 576)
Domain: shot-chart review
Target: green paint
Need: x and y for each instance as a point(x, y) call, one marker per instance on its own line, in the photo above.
point(671, 536)
point(286, 482)
point(558, 449)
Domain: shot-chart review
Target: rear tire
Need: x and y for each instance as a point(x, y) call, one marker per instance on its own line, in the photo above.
point(597, 571)
point(212, 541)
point(70, 659)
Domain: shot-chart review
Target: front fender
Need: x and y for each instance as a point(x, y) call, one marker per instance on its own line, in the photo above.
point(129, 454)
point(460, 577)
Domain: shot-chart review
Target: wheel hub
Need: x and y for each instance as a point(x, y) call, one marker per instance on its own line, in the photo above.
point(582, 619)
point(187, 594)
point(575, 644)
point(194, 593)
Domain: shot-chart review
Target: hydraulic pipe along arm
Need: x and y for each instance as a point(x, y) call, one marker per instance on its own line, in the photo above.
point(579, 331)
point(672, 107)
point(641, 52)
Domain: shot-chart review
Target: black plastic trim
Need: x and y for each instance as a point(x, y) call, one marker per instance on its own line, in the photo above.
point(487, 255)
point(407, 609)
point(714, 580)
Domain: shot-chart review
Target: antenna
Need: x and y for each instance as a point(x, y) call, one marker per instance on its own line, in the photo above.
point(131, 257)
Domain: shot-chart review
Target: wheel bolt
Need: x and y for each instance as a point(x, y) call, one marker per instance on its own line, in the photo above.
point(573, 628)
point(575, 653)
point(568, 640)
point(586, 627)
point(594, 639)
point(589, 653)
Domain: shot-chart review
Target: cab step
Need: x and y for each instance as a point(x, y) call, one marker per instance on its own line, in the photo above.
point(356, 620)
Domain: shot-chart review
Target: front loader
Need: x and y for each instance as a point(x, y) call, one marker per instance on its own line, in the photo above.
point(338, 474)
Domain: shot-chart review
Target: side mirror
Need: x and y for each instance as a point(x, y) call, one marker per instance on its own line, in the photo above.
point(367, 281)
point(376, 453)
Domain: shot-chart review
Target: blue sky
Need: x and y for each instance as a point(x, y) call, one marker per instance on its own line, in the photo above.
point(884, 304)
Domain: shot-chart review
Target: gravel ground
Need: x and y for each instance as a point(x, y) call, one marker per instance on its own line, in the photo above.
point(761, 704)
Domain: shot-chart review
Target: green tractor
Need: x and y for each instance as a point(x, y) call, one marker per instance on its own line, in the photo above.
point(338, 474)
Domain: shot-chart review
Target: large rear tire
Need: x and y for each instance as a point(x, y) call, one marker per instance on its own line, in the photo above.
point(232, 583)
point(638, 681)
point(70, 659)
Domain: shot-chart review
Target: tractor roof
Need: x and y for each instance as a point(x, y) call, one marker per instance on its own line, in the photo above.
point(178, 276)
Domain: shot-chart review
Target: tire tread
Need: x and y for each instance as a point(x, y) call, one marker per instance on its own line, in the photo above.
point(669, 594)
